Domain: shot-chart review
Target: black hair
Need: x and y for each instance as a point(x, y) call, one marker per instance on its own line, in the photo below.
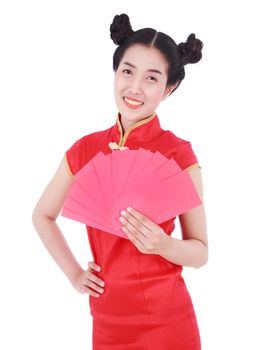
point(177, 56)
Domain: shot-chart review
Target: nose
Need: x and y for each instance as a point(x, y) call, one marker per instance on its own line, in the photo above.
point(135, 87)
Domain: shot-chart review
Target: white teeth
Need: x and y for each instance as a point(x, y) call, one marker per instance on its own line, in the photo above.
point(133, 102)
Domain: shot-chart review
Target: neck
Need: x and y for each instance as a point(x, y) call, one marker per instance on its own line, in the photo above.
point(126, 124)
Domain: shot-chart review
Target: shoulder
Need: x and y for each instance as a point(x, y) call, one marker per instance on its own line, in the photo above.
point(174, 139)
point(182, 151)
point(80, 150)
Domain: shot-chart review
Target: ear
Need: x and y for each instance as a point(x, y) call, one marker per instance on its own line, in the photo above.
point(168, 90)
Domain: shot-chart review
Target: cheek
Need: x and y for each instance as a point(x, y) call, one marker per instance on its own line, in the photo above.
point(157, 94)
point(119, 85)
point(153, 95)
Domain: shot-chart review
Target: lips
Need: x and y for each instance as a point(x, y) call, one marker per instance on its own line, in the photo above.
point(132, 99)
point(132, 103)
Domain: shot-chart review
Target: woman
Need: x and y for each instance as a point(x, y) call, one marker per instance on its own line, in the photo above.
point(137, 296)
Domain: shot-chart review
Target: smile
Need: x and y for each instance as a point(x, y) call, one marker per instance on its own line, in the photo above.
point(132, 103)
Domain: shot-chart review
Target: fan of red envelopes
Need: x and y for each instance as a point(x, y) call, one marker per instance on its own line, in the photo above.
point(148, 182)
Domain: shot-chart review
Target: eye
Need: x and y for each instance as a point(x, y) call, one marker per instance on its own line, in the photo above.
point(153, 78)
point(126, 70)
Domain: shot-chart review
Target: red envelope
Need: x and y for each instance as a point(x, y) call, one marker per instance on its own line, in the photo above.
point(148, 182)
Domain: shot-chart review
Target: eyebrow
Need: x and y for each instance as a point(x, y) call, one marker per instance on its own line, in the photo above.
point(148, 70)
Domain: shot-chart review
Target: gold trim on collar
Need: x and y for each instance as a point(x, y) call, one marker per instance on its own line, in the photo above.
point(123, 138)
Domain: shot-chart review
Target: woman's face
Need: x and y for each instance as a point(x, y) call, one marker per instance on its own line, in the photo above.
point(141, 79)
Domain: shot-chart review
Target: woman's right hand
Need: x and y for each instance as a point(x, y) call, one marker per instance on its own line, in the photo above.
point(87, 282)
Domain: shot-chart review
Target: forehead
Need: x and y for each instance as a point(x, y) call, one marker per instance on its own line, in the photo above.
point(145, 58)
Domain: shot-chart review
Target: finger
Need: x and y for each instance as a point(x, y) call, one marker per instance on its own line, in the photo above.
point(89, 291)
point(94, 266)
point(94, 286)
point(136, 237)
point(150, 225)
point(137, 240)
point(135, 226)
point(90, 276)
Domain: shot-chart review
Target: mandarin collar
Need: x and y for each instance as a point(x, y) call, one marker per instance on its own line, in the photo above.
point(141, 131)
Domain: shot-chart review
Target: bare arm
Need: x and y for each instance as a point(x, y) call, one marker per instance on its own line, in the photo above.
point(44, 215)
point(192, 250)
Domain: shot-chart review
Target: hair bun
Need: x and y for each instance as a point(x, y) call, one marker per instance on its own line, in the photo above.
point(120, 29)
point(190, 51)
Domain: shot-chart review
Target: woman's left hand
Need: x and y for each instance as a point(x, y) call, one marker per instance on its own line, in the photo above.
point(145, 234)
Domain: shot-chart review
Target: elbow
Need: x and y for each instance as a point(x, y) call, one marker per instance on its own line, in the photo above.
point(37, 217)
point(34, 217)
point(203, 258)
point(202, 263)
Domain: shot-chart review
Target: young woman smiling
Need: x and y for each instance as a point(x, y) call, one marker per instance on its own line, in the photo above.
point(138, 298)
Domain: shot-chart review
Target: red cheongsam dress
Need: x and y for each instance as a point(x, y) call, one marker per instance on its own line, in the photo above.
point(145, 304)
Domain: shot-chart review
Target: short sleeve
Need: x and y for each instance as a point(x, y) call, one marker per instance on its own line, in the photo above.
point(75, 156)
point(185, 156)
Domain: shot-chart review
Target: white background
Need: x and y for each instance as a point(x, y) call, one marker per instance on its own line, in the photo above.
point(56, 82)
